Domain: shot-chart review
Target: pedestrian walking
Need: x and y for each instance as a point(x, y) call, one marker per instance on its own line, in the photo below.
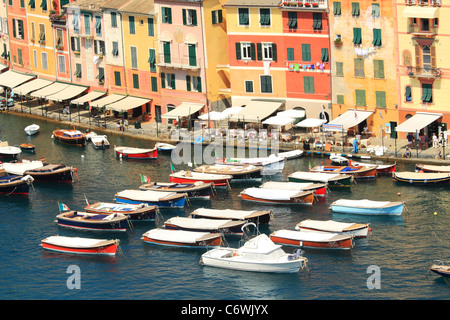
point(435, 141)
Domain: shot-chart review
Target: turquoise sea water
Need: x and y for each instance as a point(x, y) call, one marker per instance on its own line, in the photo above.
point(401, 247)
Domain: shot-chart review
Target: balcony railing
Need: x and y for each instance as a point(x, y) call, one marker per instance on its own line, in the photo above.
point(304, 4)
point(434, 3)
point(424, 72)
point(57, 17)
point(417, 30)
point(185, 63)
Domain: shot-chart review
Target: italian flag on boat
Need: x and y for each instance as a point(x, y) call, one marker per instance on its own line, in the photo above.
point(63, 207)
point(145, 179)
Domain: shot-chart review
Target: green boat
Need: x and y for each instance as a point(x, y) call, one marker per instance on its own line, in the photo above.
point(331, 179)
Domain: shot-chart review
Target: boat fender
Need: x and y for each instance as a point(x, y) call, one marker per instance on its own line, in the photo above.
point(234, 253)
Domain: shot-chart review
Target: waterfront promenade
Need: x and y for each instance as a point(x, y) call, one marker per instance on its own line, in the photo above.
point(162, 133)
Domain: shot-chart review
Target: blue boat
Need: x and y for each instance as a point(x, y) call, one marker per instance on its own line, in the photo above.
point(153, 198)
point(368, 207)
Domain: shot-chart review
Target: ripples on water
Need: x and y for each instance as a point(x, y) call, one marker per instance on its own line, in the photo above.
point(403, 247)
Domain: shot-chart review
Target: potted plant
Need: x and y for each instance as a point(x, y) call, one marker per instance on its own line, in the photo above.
point(147, 116)
point(307, 4)
point(315, 4)
point(338, 42)
point(299, 4)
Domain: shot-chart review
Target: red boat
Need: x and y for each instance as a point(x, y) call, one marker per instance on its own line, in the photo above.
point(318, 240)
point(382, 169)
point(182, 238)
point(78, 245)
point(356, 171)
point(136, 153)
point(192, 177)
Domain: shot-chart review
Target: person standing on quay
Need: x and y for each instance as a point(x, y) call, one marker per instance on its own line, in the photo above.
point(435, 141)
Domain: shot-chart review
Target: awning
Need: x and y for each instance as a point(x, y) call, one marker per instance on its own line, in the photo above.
point(230, 111)
point(311, 123)
point(278, 121)
point(13, 79)
point(418, 121)
point(49, 90)
point(256, 111)
point(30, 86)
point(211, 116)
point(292, 113)
point(421, 12)
point(67, 93)
point(347, 120)
point(183, 110)
point(127, 103)
point(107, 100)
point(88, 97)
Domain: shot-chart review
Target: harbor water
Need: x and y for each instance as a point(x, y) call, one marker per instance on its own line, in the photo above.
point(391, 264)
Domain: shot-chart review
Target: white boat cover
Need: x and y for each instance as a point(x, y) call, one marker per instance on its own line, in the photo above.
point(148, 195)
point(175, 235)
point(10, 150)
point(262, 245)
point(74, 242)
point(422, 175)
point(328, 225)
point(308, 236)
point(20, 167)
point(224, 213)
point(201, 223)
point(286, 185)
point(436, 168)
point(271, 194)
point(201, 175)
point(109, 206)
point(361, 203)
point(131, 150)
point(315, 176)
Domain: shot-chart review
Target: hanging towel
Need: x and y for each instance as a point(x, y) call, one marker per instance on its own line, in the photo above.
point(266, 64)
point(297, 67)
point(95, 59)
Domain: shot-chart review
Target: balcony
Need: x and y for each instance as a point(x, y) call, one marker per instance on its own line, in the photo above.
point(58, 18)
point(424, 72)
point(305, 4)
point(184, 63)
point(434, 3)
point(422, 31)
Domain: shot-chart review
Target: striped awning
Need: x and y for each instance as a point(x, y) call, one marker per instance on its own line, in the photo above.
point(11, 78)
point(107, 100)
point(127, 103)
point(67, 93)
point(88, 97)
point(30, 86)
point(49, 90)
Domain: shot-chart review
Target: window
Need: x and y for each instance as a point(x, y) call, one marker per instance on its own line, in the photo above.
point(189, 17)
point(359, 67)
point(380, 99)
point(193, 83)
point(355, 9)
point(59, 38)
point(266, 84)
point(115, 50)
point(152, 59)
point(376, 37)
point(407, 58)
point(117, 79)
point(154, 83)
point(290, 54)
point(248, 86)
point(339, 69)
point(163, 80)
point(426, 58)
point(340, 99)
point(135, 81)
point(88, 45)
point(306, 52)
point(166, 15)
point(77, 70)
point(378, 69)
point(101, 75)
point(19, 56)
point(75, 44)
point(264, 17)
point(41, 33)
point(245, 50)
point(292, 20)
point(44, 60)
point(150, 27)
point(22, 4)
point(357, 36)
point(337, 8)
point(35, 59)
point(44, 5)
point(360, 97)
point(375, 10)
point(408, 93)
point(424, 25)
point(32, 4)
point(243, 14)
point(87, 24)
point(98, 26)
point(324, 56)
point(317, 21)
point(308, 84)
point(166, 50)
point(216, 16)
point(33, 34)
point(18, 31)
point(269, 51)
point(427, 93)
point(192, 55)
point(62, 63)
point(131, 25)
point(99, 46)
point(114, 19)
point(134, 61)
point(170, 77)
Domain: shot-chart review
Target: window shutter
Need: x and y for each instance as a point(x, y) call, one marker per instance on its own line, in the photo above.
point(188, 83)
point(290, 54)
point(408, 91)
point(151, 27)
point(274, 51)
point(117, 80)
point(324, 55)
point(172, 81)
point(433, 56)
point(418, 61)
point(259, 51)
point(238, 51)
point(337, 8)
point(219, 16)
point(376, 37)
point(306, 52)
point(163, 80)
point(213, 17)
point(184, 17)
point(199, 84)
point(252, 51)
point(154, 84)
point(194, 17)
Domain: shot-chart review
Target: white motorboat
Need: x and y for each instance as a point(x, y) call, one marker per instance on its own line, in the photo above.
point(161, 146)
point(32, 129)
point(8, 151)
point(271, 164)
point(258, 254)
point(288, 155)
point(338, 159)
point(100, 141)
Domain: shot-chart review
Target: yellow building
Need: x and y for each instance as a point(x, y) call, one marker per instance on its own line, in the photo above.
point(364, 59)
point(41, 39)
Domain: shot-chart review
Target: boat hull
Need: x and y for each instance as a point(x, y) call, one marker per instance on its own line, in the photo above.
point(213, 240)
point(72, 140)
point(306, 199)
point(178, 202)
point(394, 210)
point(422, 179)
point(344, 182)
point(108, 249)
point(432, 168)
point(226, 230)
point(193, 191)
point(345, 244)
point(145, 213)
point(257, 219)
point(60, 173)
point(13, 185)
point(215, 182)
point(69, 220)
point(441, 270)
point(150, 154)
point(360, 232)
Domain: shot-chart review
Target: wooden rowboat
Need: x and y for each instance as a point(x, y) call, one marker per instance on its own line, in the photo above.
point(76, 245)
point(257, 217)
point(32, 129)
point(332, 180)
point(358, 172)
point(318, 188)
point(277, 196)
point(92, 221)
point(136, 153)
point(432, 168)
point(182, 238)
point(192, 177)
point(421, 178)
point(382, 169)
point(358, 230)
point(27, 147)
point(317, 240)
point(141, 211)
point(367, 207)
point(197, 190)
point(153, 198)
point(205, 225)
point(73, 137)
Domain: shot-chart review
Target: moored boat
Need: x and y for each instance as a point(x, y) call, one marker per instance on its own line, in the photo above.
point(358, 172)
point(196, 190)
point(289, 155)
point(441, 268)
point(244, 172)
point(338, 159)
point(14, 184)
point(332, 180)
point(317, 240)
point(9, 152)
point(369, 207)
point(41, 171)
point(358, 230)
point(70, 136)
point(76, 245)
point(92, 221)
point(27, 147)
point(257, 217)
point(32, 129)
point(192, 177)
point(182, 238)
point(258, 254)
point(421, 178)
point(318, 188)
point(381, 168)
point(141, 211)
point(164, 147)
point(153, 198)
point(277, 196)
point(136, 153)
point(432, 168)
point(100, 141)
point(205, 225)
point(271, 164)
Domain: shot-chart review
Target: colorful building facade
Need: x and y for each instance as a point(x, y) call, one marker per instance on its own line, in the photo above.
point(18, 35)
point(57, 17)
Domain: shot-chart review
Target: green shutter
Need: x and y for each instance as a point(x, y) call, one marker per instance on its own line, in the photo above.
point(243, 16)
point(324, 57)
point(132, 25)
point(339, 69)
point(308, 84)
point(274, 51)
point(252, 51)
point(194, 17)
point(213, 17)
point(306, 52)
point(117, 80)
point(172, 81)
point(380, 99)
point(188, 83)
point(360, 97)
point(375, 10)
point(376, 37)
point(290, 54)
point(166, 48)
point(113, 19)
point(259, 51)
point(154, 82)
point(408, 91)
point(427, 92)
point(337, 8)
point(163, 80)
point(152, 59)
point(151, 27)
point(192, 55)
point(317, 21)
point(378, 69)
point(44, 5)
point(340, 99)
point(292, 20)
point(135, 81)
point(355, 9)
point(238, 51)
point(184, 17)
point(357, 36)
point(219, 16)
